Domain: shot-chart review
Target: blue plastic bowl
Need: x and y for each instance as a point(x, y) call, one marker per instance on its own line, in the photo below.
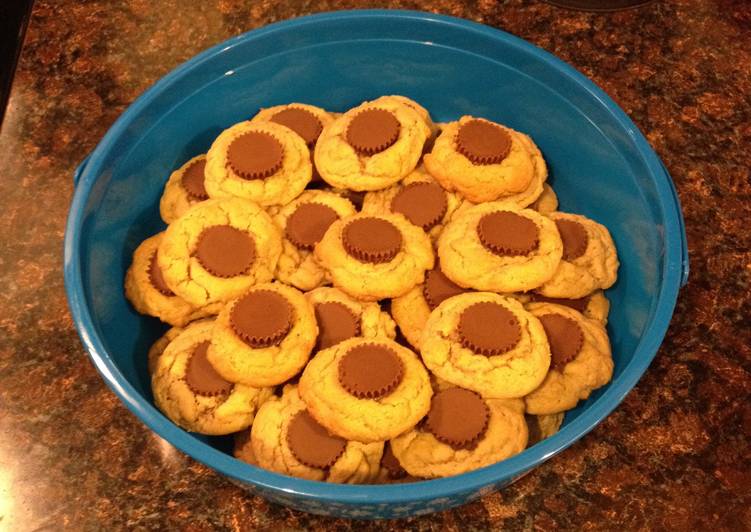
point(600, 165)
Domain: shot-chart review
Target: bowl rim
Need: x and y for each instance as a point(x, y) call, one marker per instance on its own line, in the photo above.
point(674, 271)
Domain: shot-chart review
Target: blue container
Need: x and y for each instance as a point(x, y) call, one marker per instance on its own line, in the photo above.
point(600, 166)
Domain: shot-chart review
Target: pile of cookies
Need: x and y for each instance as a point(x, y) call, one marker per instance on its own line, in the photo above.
point(371, 297)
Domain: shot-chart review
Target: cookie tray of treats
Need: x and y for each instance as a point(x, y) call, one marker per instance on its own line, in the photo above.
point(373, 264)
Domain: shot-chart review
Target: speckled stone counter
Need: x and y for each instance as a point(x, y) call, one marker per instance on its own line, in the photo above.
point(675, 455)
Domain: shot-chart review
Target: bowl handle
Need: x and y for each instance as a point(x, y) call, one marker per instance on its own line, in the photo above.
point(681, 226)
point(79, 170)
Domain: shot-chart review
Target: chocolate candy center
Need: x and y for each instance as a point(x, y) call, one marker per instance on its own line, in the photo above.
point(458, 417)
point(157, 278)
point(373, 130)
point(193, 180)
point(307, 225)
point(200, 375)
point(224, 251)
point(438, 288)
point(506, 233)
point(482, 142)
point(255, 155)
point(574, 237)
point(262, 318)
point(370, 371)
point(311, 443)
point(391, 464)
point(488, 328)
point(336, 323)
point(301, 121)
point(372, 240)
point(424, 204)
point(565, 337)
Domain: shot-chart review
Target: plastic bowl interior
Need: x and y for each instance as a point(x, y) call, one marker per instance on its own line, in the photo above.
point(600, 166)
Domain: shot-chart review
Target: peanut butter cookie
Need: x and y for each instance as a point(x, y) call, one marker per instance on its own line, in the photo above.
point(184, 189)
point(581, 359)
point(487, 343)
point(264, 337)
point(218, 249)
point(497, 247)
point(541, 427)
point(285, 438)
point(158, 347)
point(372, 257)
point(192, 394)
point(261, 161)
point(589, 261)
point(366, 390)
point(371, 146)
point(547, 202)
point(303, 222)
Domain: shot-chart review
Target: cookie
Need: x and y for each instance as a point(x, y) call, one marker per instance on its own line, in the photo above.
point(340, 317)
point(158, 347)
point(595, 306)
point(184, 188)
point(541, 427)
point(148, 292)
point(371, 146)
point(366, 389)
point(581, 360)
point(547, 202)
point(462, 432)
point(218, 249)
point(411, 311)
point(372, 257)
point(285, 438)
point(265, 336)
point(193, 395)
point(303, 222)
point(485, 161)
point(498, 248)
point(261, 161)
point(418, 197)
point(589, 261)
point(487, 343)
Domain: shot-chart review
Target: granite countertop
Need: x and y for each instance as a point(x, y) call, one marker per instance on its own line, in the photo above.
point(674, 455)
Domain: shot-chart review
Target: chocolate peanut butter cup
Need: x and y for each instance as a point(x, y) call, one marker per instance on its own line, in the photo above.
point(255, 155)
point(372, 240)
point(565, 337)
point(458, 418)
point(373, 130)
point(438, 288)
point(156, 278)
point(482, 142)
point(370, 371)
point(301, 121)
point(193, 180)
point(336, 323)
point(307, 225)
point(262, 318)
point(311, 444)
point(574, 237)
point(488, 328)
point(391, 464)
point(200, 375)
point(424, 204)
point(225, 251)
point(507, 233)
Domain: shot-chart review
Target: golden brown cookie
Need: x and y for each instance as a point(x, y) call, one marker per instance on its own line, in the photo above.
point(147, 291)
point(372, 257)
point(265, 336)
point(218, 249)
point(158, 347)
point(261, 161)
point(366, 389)
point(418, 197)
point(193, 395)
point(581, 360)
point(487, 343)
point(541, 427)
point(303, 222)
point(485, 161)
point(285, 438)
point(340, 317)
point(547, 202)
point(371, 146)
point(497, 247)
point(184, 188)
point(461, 432)
point(589, 260)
